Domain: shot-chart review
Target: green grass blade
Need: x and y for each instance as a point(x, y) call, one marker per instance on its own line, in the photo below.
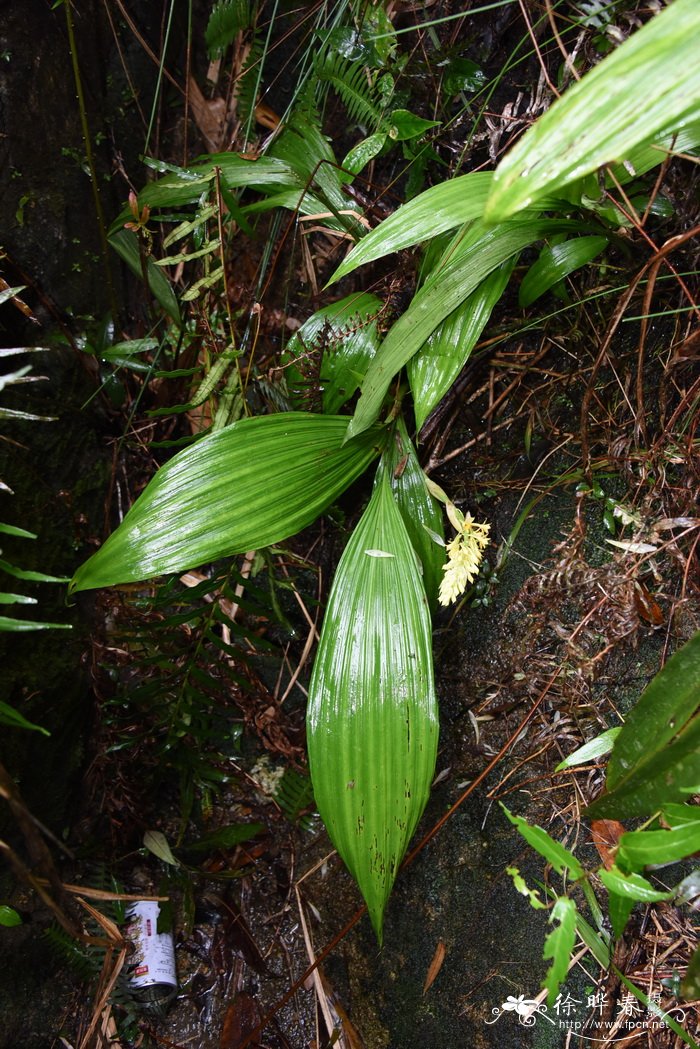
point(649, 85)
point(126, 245)
point(372, 717)
point(246, 486)
point(557, 261)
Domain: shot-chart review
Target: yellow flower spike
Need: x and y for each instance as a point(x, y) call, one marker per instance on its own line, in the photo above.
point(464, 553)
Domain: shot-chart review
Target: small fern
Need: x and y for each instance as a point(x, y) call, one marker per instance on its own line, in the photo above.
point(227, 19)
point(354, 85)
point(293, 795)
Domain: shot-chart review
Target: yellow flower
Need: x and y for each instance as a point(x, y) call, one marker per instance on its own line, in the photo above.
point(464, 554)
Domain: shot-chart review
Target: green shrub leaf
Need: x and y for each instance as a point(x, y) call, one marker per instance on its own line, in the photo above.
point(372, 716)
point(654, 80)
point(631, 886)
point(559, 945)
point(560, 858)
point(591, 751)
point(641, 848)
point(668, 701)
point(246, 486)
point(9, 916)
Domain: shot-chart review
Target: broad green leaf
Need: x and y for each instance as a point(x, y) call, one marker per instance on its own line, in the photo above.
point(690, 988)
point(641, 848)
point(477, 254)
point(157, 843)
point(9, 916)
point(246, 486)
point(666, 704)
point(619, 908)
point(422, 514)
point(126, 245)
point(648, 85)
point(10, 716)
point(591, 751)
point(435, 211)
point(433, 369)
point(631, 886)
point(560, 858)
point(559, 945)
point(372, 723)
point(361, 154)
point(667, 776)
point(680, 815)
point(406, 125)
point(556, 262)
point(332, 350)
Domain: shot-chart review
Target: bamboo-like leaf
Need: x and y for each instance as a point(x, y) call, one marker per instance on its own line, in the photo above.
point(437, 364)
point(631, 886)
point(246, 486)
point(553, 852)
point(480, 252)
point(435, 211)
point(591, 751)
point(640, 848)
point(648, 85)
point(422, 514)
point(557, 261)
point(372, 717)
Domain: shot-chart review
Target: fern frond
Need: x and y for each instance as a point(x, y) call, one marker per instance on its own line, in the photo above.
point(355, 87)
point(227, 19)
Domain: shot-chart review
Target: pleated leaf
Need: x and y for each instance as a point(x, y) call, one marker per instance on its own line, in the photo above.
point(372, 723)
point(251, 484)
point(437, 364)
point(480, 253)
point(648, 85)
point(422, 514)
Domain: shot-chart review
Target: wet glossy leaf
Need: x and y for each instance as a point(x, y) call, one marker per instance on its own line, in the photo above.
point(435, 211)
point(251, 484)
point(406, 125)
point(664, 707)
point(361, 154)
point(9, 916)
point(333, 349)
point(8, 623)
point(422, 514)
point(642, 848)
point(667, 775)
point(653, 82)
point(591, 751)
point(556, 262)
point(560, 858)
point(631, 886)
point(372, 715)
point(472, 257)
point(559, 945)
point(437, 364)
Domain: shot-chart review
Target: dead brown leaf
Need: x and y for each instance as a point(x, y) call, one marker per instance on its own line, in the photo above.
point(434, 967)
